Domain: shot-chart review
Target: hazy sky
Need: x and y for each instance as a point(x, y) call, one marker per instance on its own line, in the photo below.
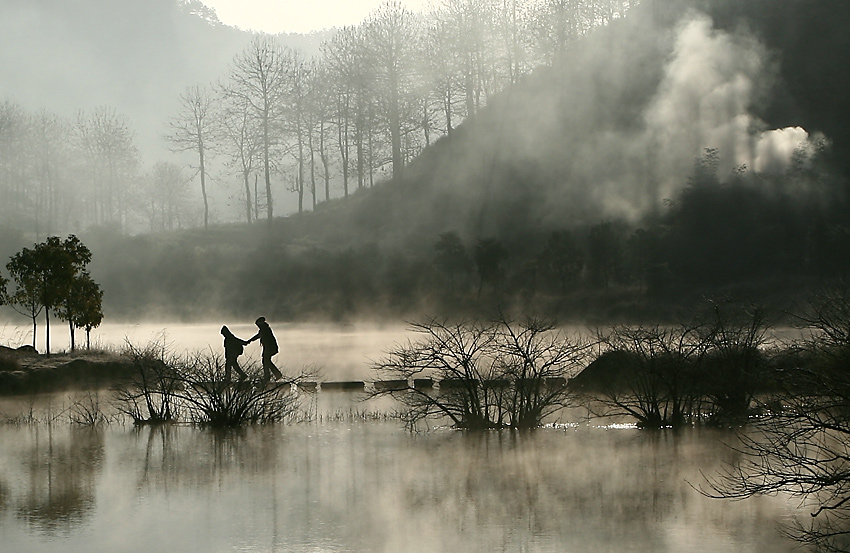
point(275, 16)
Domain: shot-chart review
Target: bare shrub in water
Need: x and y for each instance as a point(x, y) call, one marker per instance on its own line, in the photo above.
point(802, 446)
point(212, 401)
point(151, 395)
point(647, 373)
point(734, 368)
point(506, 374)
point(88, 411)
point(667, 376)
point(166, 388)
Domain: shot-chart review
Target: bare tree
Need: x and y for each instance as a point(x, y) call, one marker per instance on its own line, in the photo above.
point(259, 80)
point(343, 60)
point(14, 131)
point(469, 24)
point(801, 444)
point(322, 102)
point(191, 129)
point(298, 122)
point(393, 39)
point(508, 374)
point(241, 139)
point(111, 160)
point(556, 24)
point(50, 158)
point(165, 192)
point(655, 380)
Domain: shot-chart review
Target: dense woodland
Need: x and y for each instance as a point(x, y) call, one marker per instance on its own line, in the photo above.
point(484, 155)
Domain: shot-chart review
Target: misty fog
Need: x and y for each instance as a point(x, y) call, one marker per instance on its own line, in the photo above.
point(580, 140)
point(500, 276)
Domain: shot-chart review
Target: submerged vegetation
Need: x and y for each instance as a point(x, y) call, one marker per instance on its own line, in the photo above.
point(708, 370)
point(800, 445)
point(508, 374)
point(167, 388)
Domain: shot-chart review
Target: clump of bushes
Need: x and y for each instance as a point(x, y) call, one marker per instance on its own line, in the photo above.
point(672, 375)
point(169, 388)
point(210, 400)
point(150, 396)
point(505, 374)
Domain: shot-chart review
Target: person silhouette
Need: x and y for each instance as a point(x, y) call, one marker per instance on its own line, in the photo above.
point(233, 348)
point(269, 343)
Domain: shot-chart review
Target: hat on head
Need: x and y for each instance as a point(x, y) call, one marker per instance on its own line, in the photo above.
point(260, 320)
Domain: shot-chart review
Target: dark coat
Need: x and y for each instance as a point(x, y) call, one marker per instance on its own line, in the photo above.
point(233, 346)
point(267, 339)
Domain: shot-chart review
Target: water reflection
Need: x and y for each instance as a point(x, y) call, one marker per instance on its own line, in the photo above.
point(371, 487)
point(56, 475)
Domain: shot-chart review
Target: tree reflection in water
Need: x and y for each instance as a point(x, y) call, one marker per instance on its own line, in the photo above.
point(375, 487)
point(59, 469)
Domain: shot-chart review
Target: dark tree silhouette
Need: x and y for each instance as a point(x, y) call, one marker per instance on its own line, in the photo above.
point(3, 294)
point(451, 256)
point(489, 256)
point(561, 260)
point(82, 307)
point(800, 446)
point(604, 254)
point(45, 277)
point(191, 130)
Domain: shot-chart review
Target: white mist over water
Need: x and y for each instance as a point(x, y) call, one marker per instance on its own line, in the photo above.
point(337, 352)
point(373, 487)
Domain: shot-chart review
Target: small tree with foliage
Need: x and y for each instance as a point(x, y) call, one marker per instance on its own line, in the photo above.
point(26, 299)
point(82, 307)
point(45, 275)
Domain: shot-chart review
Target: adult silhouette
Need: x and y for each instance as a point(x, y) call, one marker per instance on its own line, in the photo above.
point(233, 348)
point(269, 343)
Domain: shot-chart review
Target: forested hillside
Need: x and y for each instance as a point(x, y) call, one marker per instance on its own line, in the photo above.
point(248, 129)
point(687, 149)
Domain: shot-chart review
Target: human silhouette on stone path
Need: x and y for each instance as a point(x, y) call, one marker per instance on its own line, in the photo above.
point(233, 348)
point(269, 343)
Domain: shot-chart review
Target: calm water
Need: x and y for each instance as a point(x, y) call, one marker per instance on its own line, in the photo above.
point(340, 484)
point(334, 486)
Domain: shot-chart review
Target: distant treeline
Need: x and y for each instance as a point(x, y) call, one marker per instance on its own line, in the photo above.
point(278, 121)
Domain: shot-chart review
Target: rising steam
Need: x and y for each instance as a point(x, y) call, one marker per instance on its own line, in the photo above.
point(709, 88)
